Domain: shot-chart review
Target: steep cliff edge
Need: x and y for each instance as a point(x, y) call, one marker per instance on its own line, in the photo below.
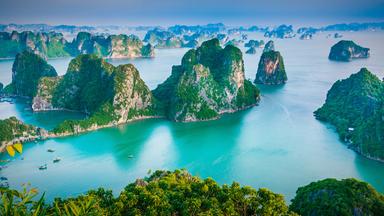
point(109, 95)
point(271, 70)
point(355, 106)
point(210, 81)
point(347, 51)
point(27, 69)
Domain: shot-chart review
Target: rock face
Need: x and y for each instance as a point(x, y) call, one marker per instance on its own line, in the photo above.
point(52, 45)
point(109, 95)
point(270, 46)
point(27, 69)
point(251, 50)
point(45, 89)
point(191, 44)
point(47, 45)
point(306, 36)
point(254, 43)
point(338, 197)
point(171, 42)
point(114, 46)
point(209, 81)
point(282, 31)
point(157, 35)
point(355, 106)
point(271, 69)
point(347, 50)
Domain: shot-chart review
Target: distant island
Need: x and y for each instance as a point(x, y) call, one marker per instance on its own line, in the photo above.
point(347, 50)
point(355, 106)
point(271, 69)
point(53, 45)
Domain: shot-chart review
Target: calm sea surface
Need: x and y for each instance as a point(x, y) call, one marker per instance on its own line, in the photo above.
point(278, 144)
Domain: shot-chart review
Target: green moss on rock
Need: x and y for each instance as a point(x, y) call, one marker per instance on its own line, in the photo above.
point(109, 95)
point(347, 50)
point(209, 82)
point(355, 106)
point(27, 69)
point(338, 197)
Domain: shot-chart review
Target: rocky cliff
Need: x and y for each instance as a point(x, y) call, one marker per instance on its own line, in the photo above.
point(251, 50)
point(355, 106)
point(113, 46)
point(210, 81)
point(109, 95)
point(52, 45)
point(282, 31)
point(254, 43)
point(47, 45)
point(271, 69)
point(347, 50)
point(27, 69)
point(269, 46)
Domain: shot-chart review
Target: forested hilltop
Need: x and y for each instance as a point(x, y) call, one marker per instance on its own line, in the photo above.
point(53, 45)
point(355, 106)
point(180, 193)
point(210, 81)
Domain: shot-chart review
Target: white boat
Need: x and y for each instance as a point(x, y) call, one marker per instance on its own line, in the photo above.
point(43, 167)
point(56, 160)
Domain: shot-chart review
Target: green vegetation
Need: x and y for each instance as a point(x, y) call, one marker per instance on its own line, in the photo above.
point(53, 45)
point(180, 193)
point(355, 106)
point(27, 69)
point(347, 50)
point(200, 88)
point(162, 193)
point(171, 42)
point(332, 197)
point(271, 70)
point(109, 95)
point(11, 128)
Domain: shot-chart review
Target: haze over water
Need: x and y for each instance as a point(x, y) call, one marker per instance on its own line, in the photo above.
point(277, 144)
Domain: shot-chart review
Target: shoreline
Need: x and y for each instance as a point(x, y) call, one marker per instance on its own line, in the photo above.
point(51, 135)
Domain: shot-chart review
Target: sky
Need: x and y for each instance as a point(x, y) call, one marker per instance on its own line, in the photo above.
point(169, 12)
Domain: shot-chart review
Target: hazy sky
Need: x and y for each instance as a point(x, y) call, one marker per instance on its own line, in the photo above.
point(167, 12)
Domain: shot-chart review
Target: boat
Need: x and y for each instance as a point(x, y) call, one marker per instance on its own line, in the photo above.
point(43, 167)
point(51, 150)
point(56, 160)
point(130, 156)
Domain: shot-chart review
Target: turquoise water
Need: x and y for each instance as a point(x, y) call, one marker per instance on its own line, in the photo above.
point(278, 144)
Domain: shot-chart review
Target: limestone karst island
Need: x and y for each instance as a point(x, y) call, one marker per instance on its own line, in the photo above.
point(187, 108)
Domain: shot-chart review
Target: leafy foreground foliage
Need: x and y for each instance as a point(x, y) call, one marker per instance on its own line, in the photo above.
point(163, 193)
point(180, 193)
point(355, 106)
point(333, 197)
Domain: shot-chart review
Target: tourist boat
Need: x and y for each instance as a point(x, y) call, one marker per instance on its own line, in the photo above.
point(56, 160)
point(43, 167)
point(50, 150)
